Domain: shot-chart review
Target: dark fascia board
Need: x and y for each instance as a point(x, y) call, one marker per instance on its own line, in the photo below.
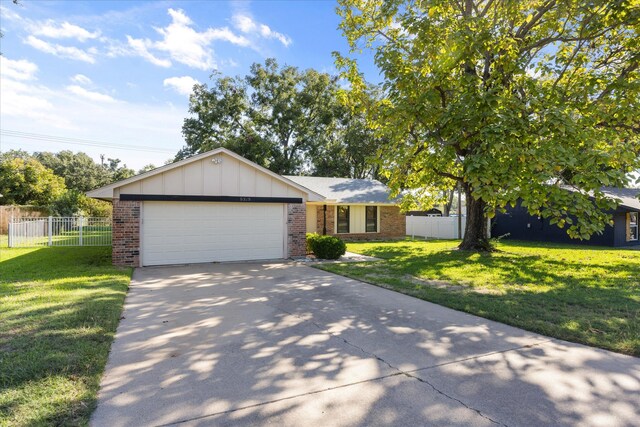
point(188, 198)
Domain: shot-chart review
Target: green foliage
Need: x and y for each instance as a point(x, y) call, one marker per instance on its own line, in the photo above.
point(28, 182)
point(514, 100)
point(311, 238)
point(68, 204)
point(117, 172)
point(326, 247)
point(287, 120)
point(95, 207)
point(79, 171)
point(146, 168)
point(75, 203)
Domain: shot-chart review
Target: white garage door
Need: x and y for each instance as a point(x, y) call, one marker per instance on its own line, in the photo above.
point(191, 232)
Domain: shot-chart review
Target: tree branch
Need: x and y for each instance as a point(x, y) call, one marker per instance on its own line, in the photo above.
point(524, 30)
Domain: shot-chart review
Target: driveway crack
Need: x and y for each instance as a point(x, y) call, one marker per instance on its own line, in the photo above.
point(323, 330)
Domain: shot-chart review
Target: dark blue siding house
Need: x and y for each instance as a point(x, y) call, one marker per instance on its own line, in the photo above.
point(517, 222)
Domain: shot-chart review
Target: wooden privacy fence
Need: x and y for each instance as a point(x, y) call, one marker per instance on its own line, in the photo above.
point(59, 231)
point(14, 211)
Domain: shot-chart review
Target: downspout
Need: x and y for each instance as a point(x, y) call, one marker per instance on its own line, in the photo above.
point(324, 226)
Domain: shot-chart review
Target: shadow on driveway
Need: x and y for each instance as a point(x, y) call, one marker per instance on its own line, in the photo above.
point(252, 344)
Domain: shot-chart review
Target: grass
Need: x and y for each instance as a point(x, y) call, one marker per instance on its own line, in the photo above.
point(588, 295)
point(59, 308)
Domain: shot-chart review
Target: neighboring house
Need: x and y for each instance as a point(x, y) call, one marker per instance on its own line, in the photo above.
point(215, 206)
point(624, 232)
point(353, 209)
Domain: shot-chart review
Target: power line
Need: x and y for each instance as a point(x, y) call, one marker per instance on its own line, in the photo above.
point(80, 141)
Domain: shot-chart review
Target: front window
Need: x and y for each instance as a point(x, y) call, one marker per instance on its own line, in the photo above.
point(371, 219)
point(632, 226)
point(343, 219)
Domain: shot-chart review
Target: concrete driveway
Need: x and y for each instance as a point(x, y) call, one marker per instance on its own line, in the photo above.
point(289, 345)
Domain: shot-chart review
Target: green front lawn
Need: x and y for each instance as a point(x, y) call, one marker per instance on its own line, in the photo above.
point(583, 294)
point(59, 308)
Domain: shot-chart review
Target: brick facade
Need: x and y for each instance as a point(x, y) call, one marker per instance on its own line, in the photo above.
point(296, 229)
point(126, 233)
point(393, 224)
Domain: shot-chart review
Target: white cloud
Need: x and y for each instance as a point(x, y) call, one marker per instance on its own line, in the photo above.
point(62, 51)
point(183, 85)
point(81, 79)
point(29, 106)
point(248, 26)
point(22, 98)
point(141, 48)
point(17, 69)
point(64, 31)
point(8, 14)
point(190, 47)
point(181, 43)
point(90, 95)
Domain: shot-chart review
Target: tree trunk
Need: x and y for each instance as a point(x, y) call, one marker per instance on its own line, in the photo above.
point(476, 237)
point(449, 202)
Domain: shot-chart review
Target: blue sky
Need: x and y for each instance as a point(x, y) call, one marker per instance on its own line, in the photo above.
point(109, 75)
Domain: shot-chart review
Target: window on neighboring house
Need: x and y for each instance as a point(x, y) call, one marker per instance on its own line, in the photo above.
point(343, 219)
point(632, 226)
point(371, 219)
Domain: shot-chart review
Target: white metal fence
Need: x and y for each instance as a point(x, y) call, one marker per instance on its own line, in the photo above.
point(59, 231)
point(435, 227)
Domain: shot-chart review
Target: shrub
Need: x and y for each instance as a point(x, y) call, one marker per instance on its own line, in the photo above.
point(311, 237)
point(327, 247)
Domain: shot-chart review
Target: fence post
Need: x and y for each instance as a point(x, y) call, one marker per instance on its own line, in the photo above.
point(11, 232)
point(50, 230)
point(80, 230)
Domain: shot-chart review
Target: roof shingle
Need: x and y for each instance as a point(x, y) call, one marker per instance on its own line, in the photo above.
point(346, 190)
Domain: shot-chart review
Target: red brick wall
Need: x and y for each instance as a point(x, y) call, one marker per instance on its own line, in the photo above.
point(126, 233)
point(296, 229)
point(392, 224)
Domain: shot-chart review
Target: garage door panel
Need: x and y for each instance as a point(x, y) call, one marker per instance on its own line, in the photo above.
point(190, 232)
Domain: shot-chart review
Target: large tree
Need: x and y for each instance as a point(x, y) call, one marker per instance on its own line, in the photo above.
point(288, 120)
point(350, 150)
point(274, 116)
point(511, 99)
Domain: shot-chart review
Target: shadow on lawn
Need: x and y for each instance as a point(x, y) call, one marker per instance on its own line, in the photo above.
point(60, 312)
point(595, 302)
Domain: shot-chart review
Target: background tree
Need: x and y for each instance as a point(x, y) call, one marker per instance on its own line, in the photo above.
point(117, 172)
point(351, 151)
point(504, 98)
point(146, 168)
point(28, 182)
point(282, 118)
point(79, 171)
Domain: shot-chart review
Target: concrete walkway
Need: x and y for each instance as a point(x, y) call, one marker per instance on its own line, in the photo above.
point(289, 345)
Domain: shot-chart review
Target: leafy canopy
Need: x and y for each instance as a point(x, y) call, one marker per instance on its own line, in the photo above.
point(28, 182)
point(285, 119)
point(514, 100)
